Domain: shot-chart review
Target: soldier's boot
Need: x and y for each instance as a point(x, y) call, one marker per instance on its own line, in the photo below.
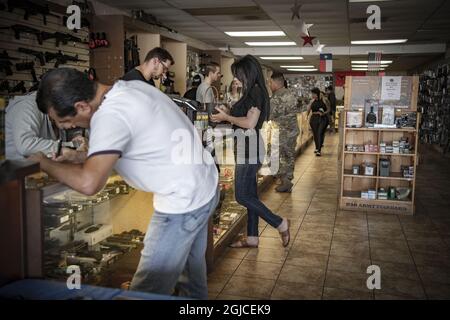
point(286, 186)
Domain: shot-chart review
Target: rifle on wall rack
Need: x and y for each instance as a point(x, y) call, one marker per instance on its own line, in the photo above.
point(38, 54)
point(63, 38)
point(23, 66)
point(5, 63)
point(61, 58)
point(19, 87)
point(20, 28)
point(31, 9)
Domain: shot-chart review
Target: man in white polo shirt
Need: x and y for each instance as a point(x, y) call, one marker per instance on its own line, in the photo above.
point(140, 132)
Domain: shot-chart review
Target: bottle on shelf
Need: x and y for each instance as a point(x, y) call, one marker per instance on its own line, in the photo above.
point(371, 118)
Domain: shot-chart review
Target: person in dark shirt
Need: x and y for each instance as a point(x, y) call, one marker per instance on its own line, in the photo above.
point(318, 121)
point(156, 63)
point(247, 117)
point(191, 94)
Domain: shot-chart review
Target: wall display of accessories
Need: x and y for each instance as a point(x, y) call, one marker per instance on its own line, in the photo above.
point(192, 67)
point(301, 86)
point(434, 103)
point(379, 149)
point(35, 40)
point(131, 53)
point(304, 84)
point(2, 129)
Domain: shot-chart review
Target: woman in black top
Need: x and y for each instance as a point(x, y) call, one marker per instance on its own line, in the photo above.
point(247, 117)
point(318, 119)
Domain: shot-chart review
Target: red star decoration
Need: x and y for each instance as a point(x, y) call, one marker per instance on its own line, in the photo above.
point(307, 40)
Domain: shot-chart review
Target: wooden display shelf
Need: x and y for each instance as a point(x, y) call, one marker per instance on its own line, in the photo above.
point(360, 152)
point(352, 185)
point(382, 129)
point(357, 195)
point(393, 176)
point(396, 176)
point(381, 154)
point(348, 173)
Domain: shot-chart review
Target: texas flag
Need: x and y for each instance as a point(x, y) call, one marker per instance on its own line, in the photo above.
point(326, 62)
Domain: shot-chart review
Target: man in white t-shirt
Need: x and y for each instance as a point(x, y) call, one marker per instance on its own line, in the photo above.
point(140, 132)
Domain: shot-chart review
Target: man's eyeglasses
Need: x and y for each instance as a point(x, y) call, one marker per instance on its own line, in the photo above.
point(165, 67)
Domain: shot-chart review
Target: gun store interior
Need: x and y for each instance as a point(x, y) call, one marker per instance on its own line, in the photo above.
point(124, 175)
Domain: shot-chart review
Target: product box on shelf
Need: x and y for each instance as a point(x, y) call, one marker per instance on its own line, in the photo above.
point(388, 120)
point(382, 194)
point(355, 119)
point(372, 194)
point(407, 171)
point(385, 167)
point(369, 168)
point(382, 147)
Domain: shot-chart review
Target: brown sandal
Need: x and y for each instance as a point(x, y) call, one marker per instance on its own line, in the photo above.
point(286, 235)
point(242, 243)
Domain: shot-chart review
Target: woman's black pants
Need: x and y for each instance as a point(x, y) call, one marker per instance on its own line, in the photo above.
point(318, 124)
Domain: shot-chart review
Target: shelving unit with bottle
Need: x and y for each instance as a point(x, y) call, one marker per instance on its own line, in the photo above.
point(379, 160)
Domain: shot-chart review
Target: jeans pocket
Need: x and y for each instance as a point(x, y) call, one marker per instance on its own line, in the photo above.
point(192, 221)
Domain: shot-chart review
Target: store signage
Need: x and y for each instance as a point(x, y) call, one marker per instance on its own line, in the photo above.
point(363, 205)
point(391, 88)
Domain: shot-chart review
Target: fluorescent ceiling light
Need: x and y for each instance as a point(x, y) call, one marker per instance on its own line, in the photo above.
point(300, 67)
point(366, 66)
point(256, 33)
point(366, 69)
point(393, 41)
point(355, 1)
point(302, 70)
point(366, 62)
point(271, 44)
point(282, 58)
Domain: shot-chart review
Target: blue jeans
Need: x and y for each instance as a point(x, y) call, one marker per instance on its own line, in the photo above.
point(246, 193)
point(174, 253)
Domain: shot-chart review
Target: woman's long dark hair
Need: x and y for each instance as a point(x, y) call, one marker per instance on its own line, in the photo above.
point(248, 70)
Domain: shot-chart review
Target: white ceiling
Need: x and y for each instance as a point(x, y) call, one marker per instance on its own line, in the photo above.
point(336, 23)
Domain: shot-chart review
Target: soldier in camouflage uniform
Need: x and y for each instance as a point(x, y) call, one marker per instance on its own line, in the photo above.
point(283, 112)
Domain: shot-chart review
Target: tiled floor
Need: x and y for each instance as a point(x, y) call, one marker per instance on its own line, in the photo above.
point(331, 249)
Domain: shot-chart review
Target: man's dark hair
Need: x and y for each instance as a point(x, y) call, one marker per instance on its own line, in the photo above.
point(329, 88)
point(278, 76)
point(160, 53)
point(61, 88)
point(210, 67)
